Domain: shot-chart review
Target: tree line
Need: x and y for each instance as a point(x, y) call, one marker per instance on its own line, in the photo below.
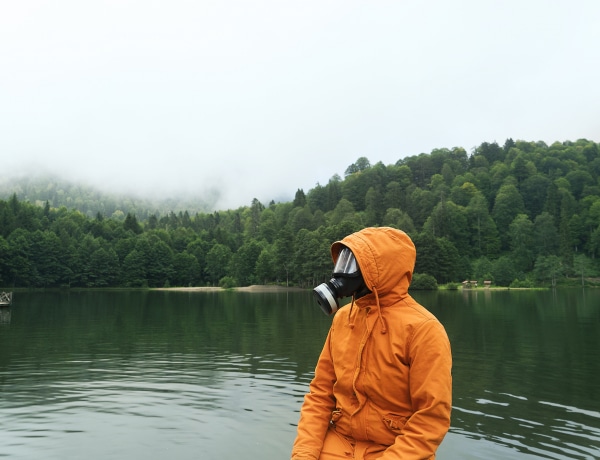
point(520, 214)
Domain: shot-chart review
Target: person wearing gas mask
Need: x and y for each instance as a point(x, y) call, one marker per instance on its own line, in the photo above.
point(382, 386)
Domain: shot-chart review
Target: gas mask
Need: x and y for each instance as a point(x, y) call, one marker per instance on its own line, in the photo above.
point(346, 281)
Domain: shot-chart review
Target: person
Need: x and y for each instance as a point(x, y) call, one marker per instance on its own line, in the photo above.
point(382, 386)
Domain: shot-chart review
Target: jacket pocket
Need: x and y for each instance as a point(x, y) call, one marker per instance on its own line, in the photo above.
point(394, 422)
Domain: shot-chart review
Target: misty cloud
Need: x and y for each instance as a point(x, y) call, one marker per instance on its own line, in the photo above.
point(258, 99)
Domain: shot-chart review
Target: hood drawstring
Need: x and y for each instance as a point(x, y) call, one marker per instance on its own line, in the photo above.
point(378, 306)
point(383, 328)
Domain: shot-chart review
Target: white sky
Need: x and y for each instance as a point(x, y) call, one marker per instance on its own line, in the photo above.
point(259, 98)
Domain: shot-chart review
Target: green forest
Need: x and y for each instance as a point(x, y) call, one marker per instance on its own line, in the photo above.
point(522, 214)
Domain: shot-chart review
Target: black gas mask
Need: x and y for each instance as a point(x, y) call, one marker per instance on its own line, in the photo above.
point(346, 281)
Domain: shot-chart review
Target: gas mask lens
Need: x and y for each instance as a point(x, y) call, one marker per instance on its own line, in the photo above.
point(346, 281)
point(346, 263)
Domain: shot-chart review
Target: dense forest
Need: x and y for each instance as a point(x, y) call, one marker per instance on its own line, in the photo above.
point(522, 214)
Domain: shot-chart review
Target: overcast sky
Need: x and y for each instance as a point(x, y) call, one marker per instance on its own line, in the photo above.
point(260, 98)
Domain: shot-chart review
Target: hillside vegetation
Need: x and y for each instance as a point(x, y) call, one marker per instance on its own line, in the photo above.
point(521, 214)
point(58, 192)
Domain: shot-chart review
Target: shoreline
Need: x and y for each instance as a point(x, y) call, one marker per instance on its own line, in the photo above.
point(252, 288)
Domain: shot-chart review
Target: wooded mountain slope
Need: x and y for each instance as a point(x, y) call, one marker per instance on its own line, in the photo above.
point(520, 214)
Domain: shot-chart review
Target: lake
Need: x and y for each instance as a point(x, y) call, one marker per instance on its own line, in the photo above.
point(221, 375)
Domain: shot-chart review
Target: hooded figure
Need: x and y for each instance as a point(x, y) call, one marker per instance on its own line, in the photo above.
point(382, 386)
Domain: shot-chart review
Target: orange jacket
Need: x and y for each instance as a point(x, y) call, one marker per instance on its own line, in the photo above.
point(384, 375)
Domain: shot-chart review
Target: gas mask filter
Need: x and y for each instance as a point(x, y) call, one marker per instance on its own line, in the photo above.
point(346, 281)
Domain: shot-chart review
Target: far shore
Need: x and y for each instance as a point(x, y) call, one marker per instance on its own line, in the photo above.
point(268, 288)
point(263, 288)
point(253, 288)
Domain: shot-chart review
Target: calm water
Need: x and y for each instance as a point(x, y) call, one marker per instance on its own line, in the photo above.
point(149, 375)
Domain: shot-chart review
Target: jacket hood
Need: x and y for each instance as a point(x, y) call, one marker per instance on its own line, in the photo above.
point(386, 257)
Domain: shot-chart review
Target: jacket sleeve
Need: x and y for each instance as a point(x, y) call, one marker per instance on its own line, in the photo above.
point(431, 395)
point(315, 413)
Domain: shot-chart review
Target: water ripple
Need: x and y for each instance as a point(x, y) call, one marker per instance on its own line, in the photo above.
point(572, 433)
point(187, 398)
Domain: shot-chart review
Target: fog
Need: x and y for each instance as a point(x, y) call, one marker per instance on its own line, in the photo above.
point(258, 99)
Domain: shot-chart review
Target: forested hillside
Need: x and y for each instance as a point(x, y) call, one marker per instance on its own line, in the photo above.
point(521, 214)
point(58, 192)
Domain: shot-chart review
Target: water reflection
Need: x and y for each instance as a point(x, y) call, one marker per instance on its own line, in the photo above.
point(526, 370)
point(154, 374)
point(5, 315)
point(218, 375)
